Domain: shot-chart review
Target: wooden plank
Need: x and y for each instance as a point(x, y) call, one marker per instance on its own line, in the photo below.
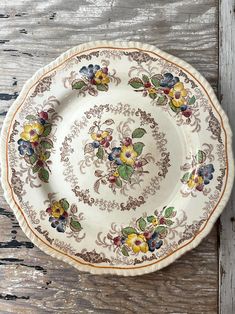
point(227, 97)
point(33, 33)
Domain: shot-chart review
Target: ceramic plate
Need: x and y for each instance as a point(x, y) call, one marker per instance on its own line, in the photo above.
point(116, 158)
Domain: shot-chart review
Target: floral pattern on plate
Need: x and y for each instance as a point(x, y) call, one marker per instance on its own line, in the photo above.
point(146, 234)
point(124, 160)
point(35, 145)
point(60, 217)
point(166, 89)
point(199, 175)
point(94, 78)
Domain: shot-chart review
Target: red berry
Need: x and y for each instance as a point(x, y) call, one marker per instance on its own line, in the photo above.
point(48, 210)
point(106, 144)
point(109, 138)
point(65, 214)
point(162, 221)
point(93, 82)
point(34, 144)
point(105, 70)
point(112, 179)
point(43, 115)
point(117, 241)
point(166, 91)
point(127, 141)
point(147, 85)
point(102, 142)
point(40, 163)
point(147, 235)
point(138, 164)
point(187, 113)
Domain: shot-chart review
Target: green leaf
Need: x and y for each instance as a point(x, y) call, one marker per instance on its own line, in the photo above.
point(118, 182)
point(124, 251)
point(43, 175)
point(173, 108)
point(75, 225)
point(102, 87)
point(64, 203)
point(128, 230)
point(169, 222)
point(78, 84)
point(138, 147)
point(145, 78)
point(125, 172)
point(100, 153)
point(33, 158)
point(192, 100)
point(153, 95)
point(136, 82)
point(138, 133)
point(47, 130)
point(186, 177)
point(30, 117)
point(47, 155)
point(200, 157)
point(150, 218)
point(36, 168)
point(168, 212)
point(155, 81)
point(141, 223)
point(47, 144)
point(162, 100)
point(161, 229)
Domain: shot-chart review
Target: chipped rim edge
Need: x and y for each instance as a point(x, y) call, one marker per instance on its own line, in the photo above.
point(61, 256)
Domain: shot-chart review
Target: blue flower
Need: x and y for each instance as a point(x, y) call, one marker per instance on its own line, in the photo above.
point(206, 173)
point(154, 243)
point(89, 71)
point(95, 144)
point(169, 80)
point(58, 223)
point(183, 107)
point(115, 155)
point(25, 148)
point(42, 121)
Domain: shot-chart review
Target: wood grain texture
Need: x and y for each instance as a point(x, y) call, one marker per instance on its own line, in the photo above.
point(227, 97)
point(33, 33)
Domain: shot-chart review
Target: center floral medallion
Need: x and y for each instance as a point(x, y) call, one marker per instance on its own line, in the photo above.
point(126, 156)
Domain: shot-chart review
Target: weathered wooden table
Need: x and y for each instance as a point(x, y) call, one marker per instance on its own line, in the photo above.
point(33, 33)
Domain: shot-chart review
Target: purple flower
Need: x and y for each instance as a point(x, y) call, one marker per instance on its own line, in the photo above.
point(154, 243)
point(89, 71)
point(206, 172)
point(58, 223)
point(169, 80)
point(115, 155)
point(25, 148)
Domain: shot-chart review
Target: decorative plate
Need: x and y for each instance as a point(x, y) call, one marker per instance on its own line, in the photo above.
point(116, 158)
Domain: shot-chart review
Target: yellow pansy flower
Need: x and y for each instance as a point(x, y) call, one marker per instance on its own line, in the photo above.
point(57, 210)
point(152, 90)
point(194, 181)
point(128, 155)
point(99, 135)
point(101, 77)
point(137, 243)
point(32, 131)
point(155, 221)
point(177, 93)
point(116, 174)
